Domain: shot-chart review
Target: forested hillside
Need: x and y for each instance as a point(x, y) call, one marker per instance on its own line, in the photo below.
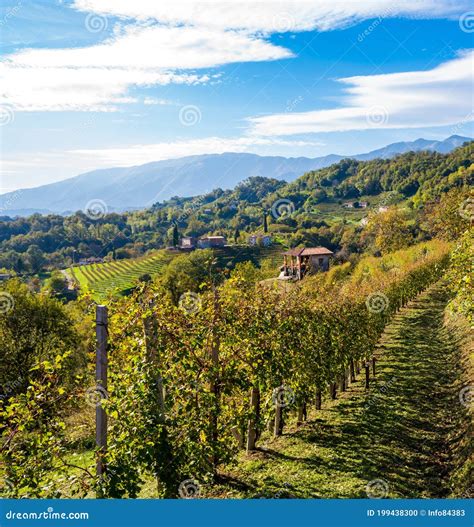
point(309, 210)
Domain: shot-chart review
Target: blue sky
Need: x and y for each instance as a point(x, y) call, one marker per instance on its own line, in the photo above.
point(99, 83)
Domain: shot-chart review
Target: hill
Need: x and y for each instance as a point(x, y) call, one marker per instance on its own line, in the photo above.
point(129, 188)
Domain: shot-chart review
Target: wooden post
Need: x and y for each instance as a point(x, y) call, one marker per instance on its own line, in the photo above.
point(318, 399)
point(278, 425)
point(101, 386)
point(373, 365)
point(342, 381)
point(252, 426)
point(299, 420)
point(367, 375)
point(353, 375)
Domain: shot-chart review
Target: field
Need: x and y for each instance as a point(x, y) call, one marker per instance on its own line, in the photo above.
point(119, 276)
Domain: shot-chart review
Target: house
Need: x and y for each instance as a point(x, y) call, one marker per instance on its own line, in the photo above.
point(188, 243)
point(260, 239)
point(91, 260)
point(5, 276)
point(363, 204)
point(299, 262)
point(207, 242)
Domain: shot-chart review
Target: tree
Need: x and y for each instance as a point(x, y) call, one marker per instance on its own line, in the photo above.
point(35, 258)
point(57, 284)
point(175, 235)
point(236, 235)
point(265, 221)
point(33, 328)
point(390, 230)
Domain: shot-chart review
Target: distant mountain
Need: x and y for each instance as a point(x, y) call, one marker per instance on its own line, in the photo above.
point(130, 188)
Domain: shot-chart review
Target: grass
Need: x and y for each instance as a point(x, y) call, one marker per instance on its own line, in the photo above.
point(408, 429)
point(403, 431)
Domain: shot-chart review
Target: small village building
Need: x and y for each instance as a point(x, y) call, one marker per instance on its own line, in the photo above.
point(188, 243)
point(5, 276)
point(91, 260)
point(260, 239)
point(299, 262)
point(208, 242)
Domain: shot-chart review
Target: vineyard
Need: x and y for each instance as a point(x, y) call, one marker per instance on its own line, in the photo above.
point(119, 275)
point(188, 387)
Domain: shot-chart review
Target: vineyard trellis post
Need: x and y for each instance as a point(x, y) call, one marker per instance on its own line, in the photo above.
point(367, 375)
point(101, 387)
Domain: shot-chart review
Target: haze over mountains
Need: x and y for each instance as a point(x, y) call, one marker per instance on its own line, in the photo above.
point(127, 188)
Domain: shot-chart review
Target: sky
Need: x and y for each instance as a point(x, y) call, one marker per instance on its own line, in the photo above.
point(88, 84)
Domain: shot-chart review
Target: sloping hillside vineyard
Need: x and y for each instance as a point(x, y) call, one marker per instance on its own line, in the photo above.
point(189, 384)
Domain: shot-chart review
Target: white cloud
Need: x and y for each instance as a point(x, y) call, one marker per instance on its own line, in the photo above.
point(158, 43)
point(99, 77)
point(418, 99)
point(145, 153)
point(271, 16)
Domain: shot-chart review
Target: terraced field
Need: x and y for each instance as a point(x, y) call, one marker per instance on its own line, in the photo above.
point(117, 276)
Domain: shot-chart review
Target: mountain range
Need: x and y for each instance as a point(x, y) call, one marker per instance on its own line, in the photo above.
point(127, 188)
